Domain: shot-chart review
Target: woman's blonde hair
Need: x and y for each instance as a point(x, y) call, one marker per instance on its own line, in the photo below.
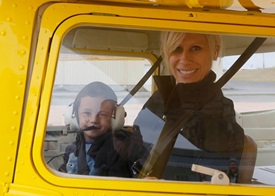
point(171, 40)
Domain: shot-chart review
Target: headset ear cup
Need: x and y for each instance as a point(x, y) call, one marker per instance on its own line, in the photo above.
point(70, 118)
point(118, 119)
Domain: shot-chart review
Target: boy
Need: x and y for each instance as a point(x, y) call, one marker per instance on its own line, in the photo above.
point(98, 149)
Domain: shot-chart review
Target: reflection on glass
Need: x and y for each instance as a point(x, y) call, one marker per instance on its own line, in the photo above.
point(210, 134)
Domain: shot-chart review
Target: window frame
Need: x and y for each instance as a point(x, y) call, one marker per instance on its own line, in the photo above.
point(49, 42)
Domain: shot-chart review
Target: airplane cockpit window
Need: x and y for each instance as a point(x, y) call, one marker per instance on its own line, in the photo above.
point(163, 105)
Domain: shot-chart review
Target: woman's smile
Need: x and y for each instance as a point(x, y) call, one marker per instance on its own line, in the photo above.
point(187, 72)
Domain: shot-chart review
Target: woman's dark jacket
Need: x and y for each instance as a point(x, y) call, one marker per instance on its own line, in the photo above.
point(203, 116)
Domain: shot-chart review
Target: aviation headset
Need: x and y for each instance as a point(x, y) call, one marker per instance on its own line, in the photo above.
point(94, 89)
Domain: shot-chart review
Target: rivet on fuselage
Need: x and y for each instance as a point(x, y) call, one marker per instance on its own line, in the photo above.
point(21, 67)
point(23, 52)
point(3, 33)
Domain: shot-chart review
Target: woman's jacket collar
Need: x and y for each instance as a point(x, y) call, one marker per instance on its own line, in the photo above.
point(198, 93)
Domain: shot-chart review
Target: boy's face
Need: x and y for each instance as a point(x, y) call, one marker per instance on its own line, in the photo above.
point(96, 113)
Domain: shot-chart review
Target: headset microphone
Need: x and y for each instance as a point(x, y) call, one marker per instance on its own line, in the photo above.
point(88, 128)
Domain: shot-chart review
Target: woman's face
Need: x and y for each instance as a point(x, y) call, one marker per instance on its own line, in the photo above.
point(191, 61)
point(95, 113)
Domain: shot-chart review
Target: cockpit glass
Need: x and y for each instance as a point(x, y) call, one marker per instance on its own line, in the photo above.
point(169, 121)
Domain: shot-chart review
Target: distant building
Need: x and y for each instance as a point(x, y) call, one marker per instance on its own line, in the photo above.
point(261, 60)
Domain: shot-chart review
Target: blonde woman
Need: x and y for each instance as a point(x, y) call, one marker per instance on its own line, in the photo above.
point(189, 103)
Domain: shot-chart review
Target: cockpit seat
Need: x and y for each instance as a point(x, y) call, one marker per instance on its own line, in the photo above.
point(248, 160)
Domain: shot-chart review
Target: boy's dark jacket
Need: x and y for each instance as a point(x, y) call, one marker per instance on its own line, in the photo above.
point(113, 153)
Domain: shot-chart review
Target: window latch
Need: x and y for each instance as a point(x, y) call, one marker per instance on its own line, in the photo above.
point(218, 177)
